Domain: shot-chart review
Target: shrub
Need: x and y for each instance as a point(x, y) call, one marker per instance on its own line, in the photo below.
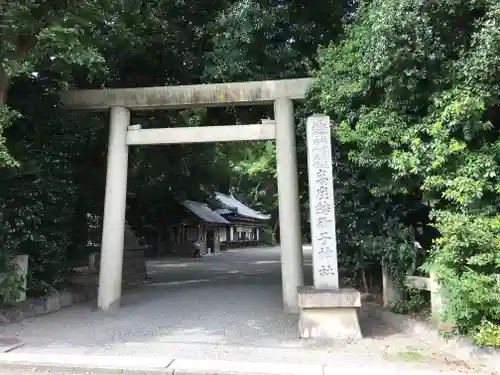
point(488, 334)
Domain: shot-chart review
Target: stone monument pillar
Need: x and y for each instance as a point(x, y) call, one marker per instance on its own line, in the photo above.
point(326, 310)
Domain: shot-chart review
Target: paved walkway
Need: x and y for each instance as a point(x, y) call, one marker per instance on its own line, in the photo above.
point(221, 307)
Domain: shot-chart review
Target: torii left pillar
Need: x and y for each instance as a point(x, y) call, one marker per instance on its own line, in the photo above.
point(110, 275)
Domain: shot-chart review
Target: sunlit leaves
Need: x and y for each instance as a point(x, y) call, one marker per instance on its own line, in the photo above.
point(415, 86)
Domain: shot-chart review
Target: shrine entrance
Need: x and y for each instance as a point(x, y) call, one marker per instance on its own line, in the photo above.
point(123, 134)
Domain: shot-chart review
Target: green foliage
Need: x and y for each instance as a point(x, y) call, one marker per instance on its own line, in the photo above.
point(49, 36)
point(10, 287)
point(412, 303)
point(466, 258)
point(58, 182)
point(414, 88)
point(267, 236)
point(253, 175)
point(488, 334)
point(7, 117)
point(11, 283)
point(37, 197)
point(253, 40)
point(54, 34)
point(37, 190)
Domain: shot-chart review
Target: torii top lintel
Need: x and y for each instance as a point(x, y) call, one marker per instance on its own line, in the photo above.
point(188, 96)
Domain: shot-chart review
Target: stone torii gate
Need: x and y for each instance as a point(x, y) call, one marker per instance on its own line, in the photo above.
point(325, 309)
point(120, 102)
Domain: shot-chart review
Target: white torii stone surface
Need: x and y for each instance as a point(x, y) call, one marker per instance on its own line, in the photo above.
point(113, 233)
point(201, 134)
point(322, 202)
point(116, 184)
point(292, 271)
point(186, 96)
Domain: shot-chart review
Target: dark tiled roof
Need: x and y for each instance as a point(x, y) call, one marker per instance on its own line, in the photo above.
point(202, 211)
point(224, 211)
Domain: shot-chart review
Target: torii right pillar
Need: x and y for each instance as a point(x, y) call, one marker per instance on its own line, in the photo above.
point(326, 310)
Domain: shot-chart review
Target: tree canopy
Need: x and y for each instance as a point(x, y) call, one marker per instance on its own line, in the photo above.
point(414, 90)
point(412, 87)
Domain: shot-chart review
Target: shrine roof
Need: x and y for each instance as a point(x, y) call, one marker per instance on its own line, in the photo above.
point(233, 206)
point(202, 211)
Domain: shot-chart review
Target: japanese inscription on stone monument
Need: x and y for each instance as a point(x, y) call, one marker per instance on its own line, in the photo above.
point(321, 202)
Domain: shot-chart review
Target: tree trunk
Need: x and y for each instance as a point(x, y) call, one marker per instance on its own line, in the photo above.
point(79, 229)
point(4, 86)
point(275, 232)
point(365, 281)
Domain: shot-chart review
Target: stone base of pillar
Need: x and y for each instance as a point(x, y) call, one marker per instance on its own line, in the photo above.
point(329, 313)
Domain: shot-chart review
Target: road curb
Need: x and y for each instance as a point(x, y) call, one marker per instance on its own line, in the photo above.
point(218, 367)
point(210, 370)
point(86, 364)
point(148, 365)
point(121, 365)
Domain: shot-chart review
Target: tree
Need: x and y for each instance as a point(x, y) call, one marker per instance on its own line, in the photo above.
point(270, 40)
point(414, 89)
point(48, 35)
point(57, 159)
point(48, 38)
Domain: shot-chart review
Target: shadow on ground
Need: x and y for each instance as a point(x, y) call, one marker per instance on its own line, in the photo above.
point(219, 307)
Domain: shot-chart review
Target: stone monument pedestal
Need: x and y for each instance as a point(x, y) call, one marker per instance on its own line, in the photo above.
point(329, 313)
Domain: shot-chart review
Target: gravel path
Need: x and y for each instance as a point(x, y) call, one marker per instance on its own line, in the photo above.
point(224, 306)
